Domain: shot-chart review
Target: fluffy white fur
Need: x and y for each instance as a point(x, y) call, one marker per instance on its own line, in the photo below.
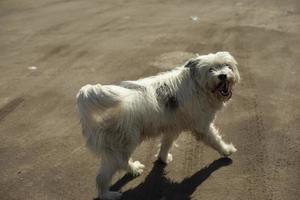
point(116, 118)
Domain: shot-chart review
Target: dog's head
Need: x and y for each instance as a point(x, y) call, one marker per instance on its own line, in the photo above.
point(215, 73)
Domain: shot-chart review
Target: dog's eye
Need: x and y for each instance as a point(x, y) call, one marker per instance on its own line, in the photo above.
point(230, 67)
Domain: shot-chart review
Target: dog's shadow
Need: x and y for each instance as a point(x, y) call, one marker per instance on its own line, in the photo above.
point(158, 187)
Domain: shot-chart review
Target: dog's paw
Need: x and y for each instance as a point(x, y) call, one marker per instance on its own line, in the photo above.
point(110, 195)
point(165, 159)
point(228, 150)
point(136, 168)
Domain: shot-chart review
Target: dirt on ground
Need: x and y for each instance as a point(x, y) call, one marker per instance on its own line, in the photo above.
point(50, 48)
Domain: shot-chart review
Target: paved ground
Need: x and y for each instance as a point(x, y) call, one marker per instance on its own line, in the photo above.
point(50, 48)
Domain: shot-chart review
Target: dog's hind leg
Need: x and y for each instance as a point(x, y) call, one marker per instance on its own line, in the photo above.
point(135, 167)
point(166, 143)
point(108, 168)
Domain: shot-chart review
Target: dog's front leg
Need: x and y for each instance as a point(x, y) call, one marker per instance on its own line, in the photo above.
point(166, 143)
point(211, 137)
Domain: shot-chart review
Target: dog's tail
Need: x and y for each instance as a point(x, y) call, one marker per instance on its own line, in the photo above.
point(93, 101)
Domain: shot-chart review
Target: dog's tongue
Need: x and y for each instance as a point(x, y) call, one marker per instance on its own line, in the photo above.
point(225, 87)
point(222, 86)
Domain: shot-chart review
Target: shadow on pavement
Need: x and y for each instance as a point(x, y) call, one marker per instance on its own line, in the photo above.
point(158, 187)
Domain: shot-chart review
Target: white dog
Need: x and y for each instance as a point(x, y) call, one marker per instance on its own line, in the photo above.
point(116, 118)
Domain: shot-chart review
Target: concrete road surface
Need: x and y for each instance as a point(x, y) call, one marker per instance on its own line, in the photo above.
point(50, 48)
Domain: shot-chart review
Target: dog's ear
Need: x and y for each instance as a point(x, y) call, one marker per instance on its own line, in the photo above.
point(192, 63)
point(193, 66)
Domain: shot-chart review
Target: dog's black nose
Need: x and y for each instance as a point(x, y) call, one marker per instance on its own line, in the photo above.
point(222, 77)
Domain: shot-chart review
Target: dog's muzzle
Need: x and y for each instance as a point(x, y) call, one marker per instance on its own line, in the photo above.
point(223, 89)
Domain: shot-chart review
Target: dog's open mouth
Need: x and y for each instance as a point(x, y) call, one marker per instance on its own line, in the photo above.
point(224, 89)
